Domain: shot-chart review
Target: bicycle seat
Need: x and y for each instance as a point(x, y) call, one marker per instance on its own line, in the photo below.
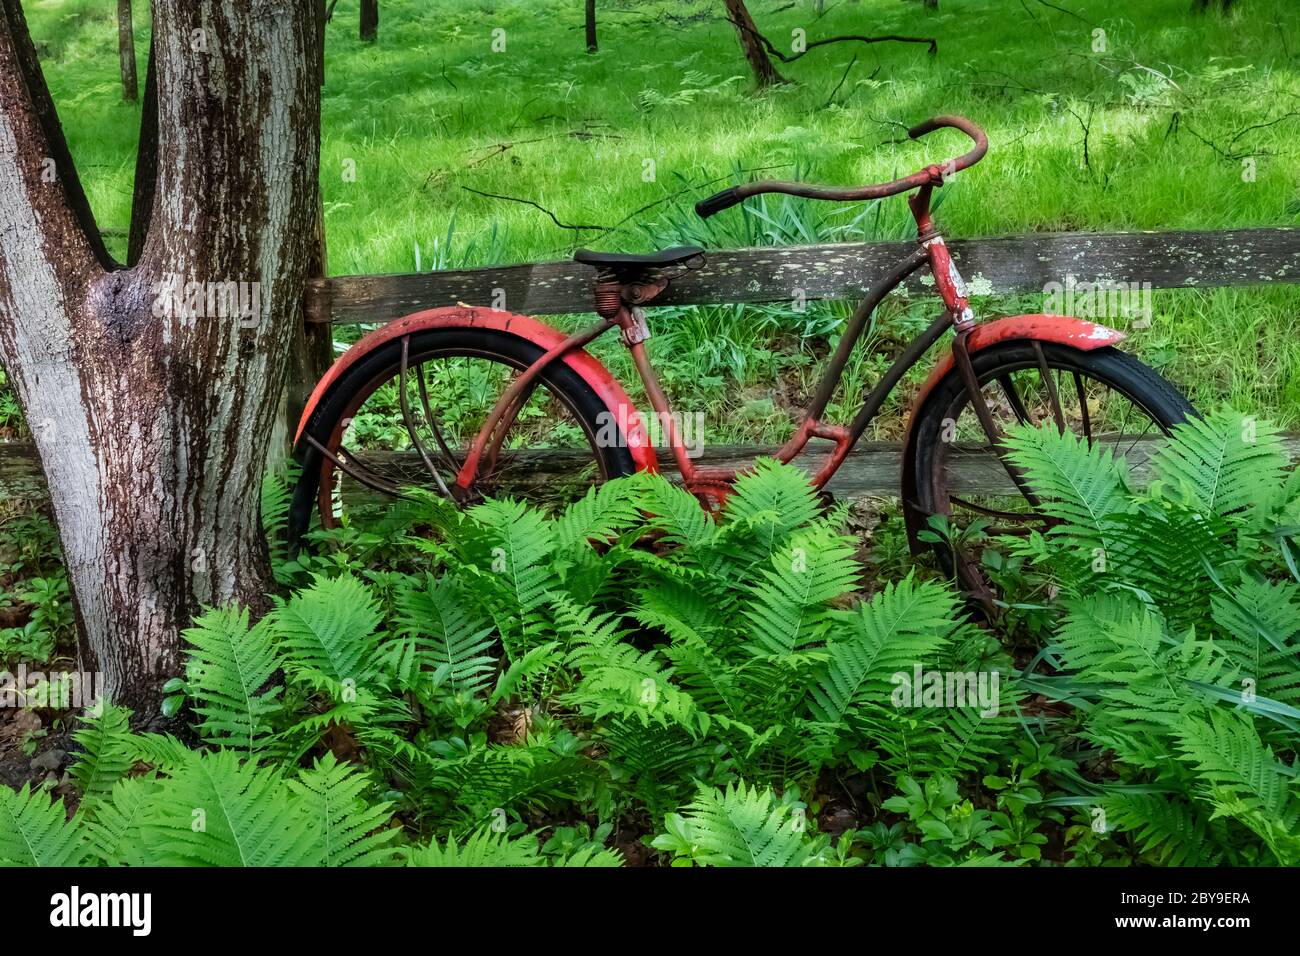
point(625, 262)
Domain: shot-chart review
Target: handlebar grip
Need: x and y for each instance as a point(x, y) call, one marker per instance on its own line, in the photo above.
point(718, 202)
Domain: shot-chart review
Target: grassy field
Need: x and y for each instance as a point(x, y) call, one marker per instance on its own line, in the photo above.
point(1114, 115)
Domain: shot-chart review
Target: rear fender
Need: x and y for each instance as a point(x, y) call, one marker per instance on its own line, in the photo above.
point(623, 412)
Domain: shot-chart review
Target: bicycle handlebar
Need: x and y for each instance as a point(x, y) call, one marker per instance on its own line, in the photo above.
point(932, 175)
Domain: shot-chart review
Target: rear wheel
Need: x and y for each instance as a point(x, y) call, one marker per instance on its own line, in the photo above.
point(1103, 396)
point(395, 421)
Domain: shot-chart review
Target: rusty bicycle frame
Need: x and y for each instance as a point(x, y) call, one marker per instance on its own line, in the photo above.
point(619, 300)
point(624, 284)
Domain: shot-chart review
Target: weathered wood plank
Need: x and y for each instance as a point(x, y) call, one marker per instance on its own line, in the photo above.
point(779, 274)
point(871, 469)
point(21, 478)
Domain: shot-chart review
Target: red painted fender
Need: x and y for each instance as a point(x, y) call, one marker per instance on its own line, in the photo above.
point(540, 334)
point(1061, 329)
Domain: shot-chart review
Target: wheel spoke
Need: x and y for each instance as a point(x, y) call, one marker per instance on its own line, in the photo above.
point(1083, 408)
point(410, 424)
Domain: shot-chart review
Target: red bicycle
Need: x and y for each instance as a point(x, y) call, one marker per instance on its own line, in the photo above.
point(461, 399)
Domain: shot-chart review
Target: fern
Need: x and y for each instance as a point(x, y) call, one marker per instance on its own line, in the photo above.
point(1261, 632)
point(903, 624)
point(788, 610)
point(1082, 487)
point(229, 666)
point(115, 835)
point(327, 635)
point(1243, 779)
point(345, 829)
point(739, 826)
point(512, 573)
point(482, 849)
point(445, 635)
point(218, 811)
point(276, 498)
point(1223, 463)
point(108, 753)
point(35, 831)
point(616, 677)
point(1169, 830)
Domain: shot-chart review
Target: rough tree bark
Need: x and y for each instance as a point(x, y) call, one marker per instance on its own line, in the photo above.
point(591, 26)
point(369, 19)
point(152, 426)
point(765, 74)
point(126, 50)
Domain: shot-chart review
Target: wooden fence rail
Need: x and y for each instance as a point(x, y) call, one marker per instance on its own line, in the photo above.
point(1002, 265)
point(1011, 264)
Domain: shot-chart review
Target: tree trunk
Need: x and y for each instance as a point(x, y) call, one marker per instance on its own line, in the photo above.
point(765, 74)
point(126, 50)
point(150, 403)
point(369, 19)
point(591, 26)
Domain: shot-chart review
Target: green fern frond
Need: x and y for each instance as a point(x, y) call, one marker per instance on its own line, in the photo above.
point(116, 835)
point(904, 624)
point(218, 811)
point(511, 572)
point(739, 826)
point(108, 751)
point(1081, 486)
point(677, 514)
point(326, 634)
point(445, 635)
point(602, 514)
point(1142, 676)
point(481, 849)
point(1261, 627)
point(522, 778)
point(1243, 778)
point(346, 830)
point(1223, 462)
point(276, 498)
point(35, 830)
point(767, 503)
point(228, 668)
point(1169, 830)
point(616, 677)
point(788, 609)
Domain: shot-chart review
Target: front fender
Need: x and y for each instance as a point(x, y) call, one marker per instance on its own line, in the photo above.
point(1060, 329)
point(616, 400)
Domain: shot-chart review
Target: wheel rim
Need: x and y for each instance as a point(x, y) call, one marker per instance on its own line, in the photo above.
point(1094, 407)
point(387, 442)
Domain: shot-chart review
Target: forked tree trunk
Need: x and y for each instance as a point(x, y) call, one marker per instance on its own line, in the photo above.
point(152, 424)
point(765, 74)
point(369, 19)
point(591, 26)
point(126, 50)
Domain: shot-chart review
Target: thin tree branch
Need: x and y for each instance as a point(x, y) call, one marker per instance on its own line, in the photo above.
point(932, 43)
point(535, 205)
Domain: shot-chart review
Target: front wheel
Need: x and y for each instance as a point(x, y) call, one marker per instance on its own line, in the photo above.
point(1102, 395)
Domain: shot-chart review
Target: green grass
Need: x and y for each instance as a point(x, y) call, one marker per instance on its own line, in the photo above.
point(431, 111)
